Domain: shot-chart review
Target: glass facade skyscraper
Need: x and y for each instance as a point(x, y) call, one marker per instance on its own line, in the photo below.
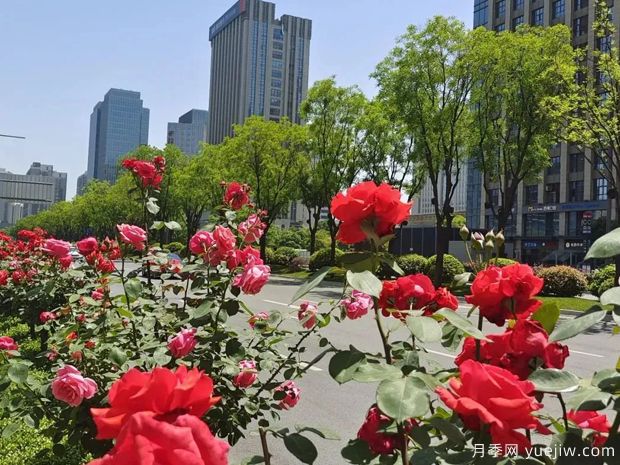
point(118, 125)
point(190, 131)
point(259, 66)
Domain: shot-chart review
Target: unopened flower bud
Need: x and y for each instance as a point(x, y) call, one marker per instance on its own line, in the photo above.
point(464, 233)
point(477, 236)
point(489, 245)
point(500, 239)
point(490, 236)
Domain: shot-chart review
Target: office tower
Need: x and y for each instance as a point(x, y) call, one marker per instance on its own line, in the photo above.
point(552, 220)
point(118, 125)
point(82, 181)
point(190, 131)
point(22, 195)
point(259, 66)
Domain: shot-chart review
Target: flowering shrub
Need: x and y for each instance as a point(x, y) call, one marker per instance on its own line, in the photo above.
point(562, 281)
point(154, 371)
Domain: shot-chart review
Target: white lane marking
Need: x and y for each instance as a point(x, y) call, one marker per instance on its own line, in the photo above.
point(440, 353)
point(280, 303)
point(585, 353)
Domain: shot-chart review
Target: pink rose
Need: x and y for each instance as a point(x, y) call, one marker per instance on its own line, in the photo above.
point(87, 245)
point(183, 343)
point(133, 235)
point(357, 305)
point(247, 374)
point(44, 317)
point(291, 394)
point(251, 229)
point(307, 314)
point(244, 257)
point(97, 294)
point(260, 316)
point(253, 278)
point(224, 239)
point(7, 343)
point(71, 387)
point(65, 262)
point(56, 248)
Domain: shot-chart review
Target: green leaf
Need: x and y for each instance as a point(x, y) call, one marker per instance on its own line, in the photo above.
point(161, 358)
point(611, 297)
point(18, 373)
point(254, 460)
point(605, 246)
point(589, 398)
point(208, 306)
point(424, 328)
point(547, 315)
point(343, 365)
point(172, 225)
point(402, 398)
point(571, 328)
point(365, 282)
point(554, 380)
point(357, 452)
point(461, 323)
point(122, 311)
point(157, 225)
point(313, 282)
point(152, 206)
point(357, 261)
point(390, 262)
point(133, 287)
point(450, 430)
point(9, 430)
point(118, 356)
point(301, 447)
point(374, 372)
point(59, 450)
point(324, 433)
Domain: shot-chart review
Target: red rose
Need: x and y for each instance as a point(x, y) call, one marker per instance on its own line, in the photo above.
point(491, 396)
point(149, 174)
point(517, 349)
point(44, 317)
point(247, 374)
point(307, 314)
point(4, 277)
point(260, 316)
point(236, 195)
point(56, 248)
point(505, 293)
point(149, 438)
point(372, 432)
point(368, 209)
point(161, 391)
point(87, 245)
point(414, 292)
point(291, 394)
point(133, 235)
point(586, 419)
point(7, 343)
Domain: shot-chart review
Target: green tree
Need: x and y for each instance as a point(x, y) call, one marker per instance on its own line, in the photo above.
point(332, 114)
point(269, 156)
point(517, 75)
point(425, 81)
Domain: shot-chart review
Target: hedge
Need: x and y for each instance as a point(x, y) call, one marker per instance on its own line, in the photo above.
point(602, 279)
point(451, 267)
point(563, 281)
point(320, 258)
point(412, 263)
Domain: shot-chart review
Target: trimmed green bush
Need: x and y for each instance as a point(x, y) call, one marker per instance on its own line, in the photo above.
point(320, 258)
point(174, 247)
point(451, 267)
point(563, 281)
point(502, 262)
point(412, 263)
point(602, 279)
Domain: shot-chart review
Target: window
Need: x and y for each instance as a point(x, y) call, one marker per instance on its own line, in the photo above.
point(277, 55)
point(275, 102)
point(531, 195)
point(500, 8)
point(277, 34)
point(600, 161)
point(276, 73)
point(278, 45)
point(481, 12)
point(516, 22)
point(580, 26)
point(574, 225)
point(600, 189)
point(277, 83)
point(552, 192)
point(517, 4)
point(555, 166)
point(274, 111)
point(538, 17)
point(500, 27)
point(576, 162)
point(604, 43)
point(575, 191)
point(541, 225)
point(494, 197)
point(557, 9)
point(276, 93)
point(579, 4)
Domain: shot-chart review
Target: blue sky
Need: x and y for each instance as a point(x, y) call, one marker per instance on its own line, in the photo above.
point(57, 60)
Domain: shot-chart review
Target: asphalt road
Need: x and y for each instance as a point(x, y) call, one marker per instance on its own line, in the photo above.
point(341, 408)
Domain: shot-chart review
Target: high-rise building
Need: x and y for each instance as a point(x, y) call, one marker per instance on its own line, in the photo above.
point(118, 125)
point(82, 180)
point(259, 66)
point(22, 195)
point(553, 219)
point(190, 131)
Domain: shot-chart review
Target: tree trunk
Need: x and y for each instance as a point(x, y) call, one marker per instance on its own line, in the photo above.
point(263, 242)
point(313, 226)
point(333, 230)
point(611, 227)
point(442, 240)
